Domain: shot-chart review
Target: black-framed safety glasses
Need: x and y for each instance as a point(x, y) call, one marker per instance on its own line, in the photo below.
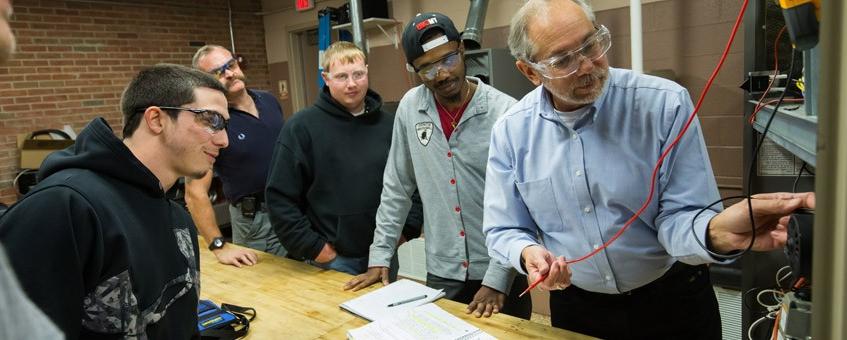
point(212, 119)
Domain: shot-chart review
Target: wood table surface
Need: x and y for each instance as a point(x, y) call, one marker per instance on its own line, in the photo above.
point(294, 300)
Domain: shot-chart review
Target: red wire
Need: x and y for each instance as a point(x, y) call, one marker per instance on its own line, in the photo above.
point(775, 332)
point(773, 101)
point(676, 140)
point(759, 105)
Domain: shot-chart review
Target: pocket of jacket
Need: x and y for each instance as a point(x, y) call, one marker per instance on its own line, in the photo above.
point(354, 234)
point(541, 202)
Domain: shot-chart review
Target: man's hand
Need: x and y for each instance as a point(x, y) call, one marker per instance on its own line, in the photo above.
point(373, 275)
point(486, 301)
point(730, 230)
point(540, 261)
point(236, 256)
point(401, 240)
point(327, 254)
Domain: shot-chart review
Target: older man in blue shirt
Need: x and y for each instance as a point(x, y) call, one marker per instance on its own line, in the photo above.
point(570, 164)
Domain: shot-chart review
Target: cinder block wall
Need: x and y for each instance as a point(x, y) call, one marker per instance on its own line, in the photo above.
point(75, 57)
point(688, 37)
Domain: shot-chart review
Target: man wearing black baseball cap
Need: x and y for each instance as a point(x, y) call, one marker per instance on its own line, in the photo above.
point(440, 147)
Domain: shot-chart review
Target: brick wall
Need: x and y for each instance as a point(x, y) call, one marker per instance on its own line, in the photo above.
point(75, 57)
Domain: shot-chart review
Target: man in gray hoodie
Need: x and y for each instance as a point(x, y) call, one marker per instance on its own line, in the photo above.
point(439, 147)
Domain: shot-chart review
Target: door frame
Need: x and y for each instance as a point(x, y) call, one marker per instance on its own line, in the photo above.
point(295, 65)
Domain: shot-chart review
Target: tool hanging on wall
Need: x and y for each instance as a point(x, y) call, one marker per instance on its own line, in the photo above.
point(802, 19)
point(324, 32)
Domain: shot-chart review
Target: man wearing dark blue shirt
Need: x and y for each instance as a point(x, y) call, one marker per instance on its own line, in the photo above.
point(256, 119)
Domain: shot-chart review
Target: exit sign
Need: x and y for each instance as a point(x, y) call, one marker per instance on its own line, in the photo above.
point(304, 5)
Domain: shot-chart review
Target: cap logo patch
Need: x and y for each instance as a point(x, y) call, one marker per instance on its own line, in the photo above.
point(423, 24)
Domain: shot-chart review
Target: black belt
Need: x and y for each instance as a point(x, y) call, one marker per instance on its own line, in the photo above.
point(251, 204)
point(678, 273)
point(259, 197)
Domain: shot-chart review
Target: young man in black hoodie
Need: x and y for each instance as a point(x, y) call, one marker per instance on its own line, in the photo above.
point(326, 173)
point(96, 244)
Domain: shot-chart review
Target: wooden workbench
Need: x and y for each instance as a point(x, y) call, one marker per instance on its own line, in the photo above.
point(294, 300)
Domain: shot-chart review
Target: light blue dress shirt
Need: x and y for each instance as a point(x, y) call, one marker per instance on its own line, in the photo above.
point(572, 189)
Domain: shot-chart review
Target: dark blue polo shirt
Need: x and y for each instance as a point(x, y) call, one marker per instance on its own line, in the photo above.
point(243, 166)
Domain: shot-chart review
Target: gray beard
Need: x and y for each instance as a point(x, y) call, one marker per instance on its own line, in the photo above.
point(583, 100)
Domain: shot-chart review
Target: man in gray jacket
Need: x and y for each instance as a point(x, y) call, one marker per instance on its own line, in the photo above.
point(440, 147)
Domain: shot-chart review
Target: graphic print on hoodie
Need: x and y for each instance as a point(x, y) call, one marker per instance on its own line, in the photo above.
point(100, 249)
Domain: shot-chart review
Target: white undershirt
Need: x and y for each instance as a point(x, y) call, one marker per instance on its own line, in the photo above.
point(356, 114)
point(569, 118)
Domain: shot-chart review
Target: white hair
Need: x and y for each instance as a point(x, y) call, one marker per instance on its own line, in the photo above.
point(519, 43)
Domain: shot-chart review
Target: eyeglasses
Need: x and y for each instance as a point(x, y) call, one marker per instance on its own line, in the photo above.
point(344, 77)
point(448, 62)
point(213, 120)
point(566, 64)
point(220, 71)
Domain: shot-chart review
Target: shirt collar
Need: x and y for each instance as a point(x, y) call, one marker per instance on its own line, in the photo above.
point(477, 105)
point(253, 95)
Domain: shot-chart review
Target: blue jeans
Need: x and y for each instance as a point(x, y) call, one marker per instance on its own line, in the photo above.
point(356, 265)
point(256, 232)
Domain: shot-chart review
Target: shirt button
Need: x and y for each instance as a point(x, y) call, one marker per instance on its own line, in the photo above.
point(462, 233)
point(608, 278)
point(587, 210)
point(452, 181)
point(458, 209)
point(574, 136)
point(449, 154)
point(578, 173)
point(465, 263)
point(596, 246)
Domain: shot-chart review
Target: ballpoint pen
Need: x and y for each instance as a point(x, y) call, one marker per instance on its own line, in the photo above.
point(537, 281)
point(416, 298)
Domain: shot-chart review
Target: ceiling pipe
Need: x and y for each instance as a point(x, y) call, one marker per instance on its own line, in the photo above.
point(356, 22)
point(472, 36)
point(636, 36)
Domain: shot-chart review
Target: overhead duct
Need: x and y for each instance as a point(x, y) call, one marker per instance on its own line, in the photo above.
point(472, 36)
point(356, 24)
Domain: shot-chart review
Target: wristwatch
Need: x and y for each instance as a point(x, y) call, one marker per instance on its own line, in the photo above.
point(217, 243)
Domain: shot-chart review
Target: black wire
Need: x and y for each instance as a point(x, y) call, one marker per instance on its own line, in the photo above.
point(747, 195)
point(809, 170)
point(748, 301)
point(797, 179)
point(720, 256)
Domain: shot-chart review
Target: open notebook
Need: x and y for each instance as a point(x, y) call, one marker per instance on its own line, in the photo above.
point(389, 300)
point(422, 322)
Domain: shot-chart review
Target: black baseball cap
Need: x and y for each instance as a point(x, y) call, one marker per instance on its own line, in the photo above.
point(420, 25)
